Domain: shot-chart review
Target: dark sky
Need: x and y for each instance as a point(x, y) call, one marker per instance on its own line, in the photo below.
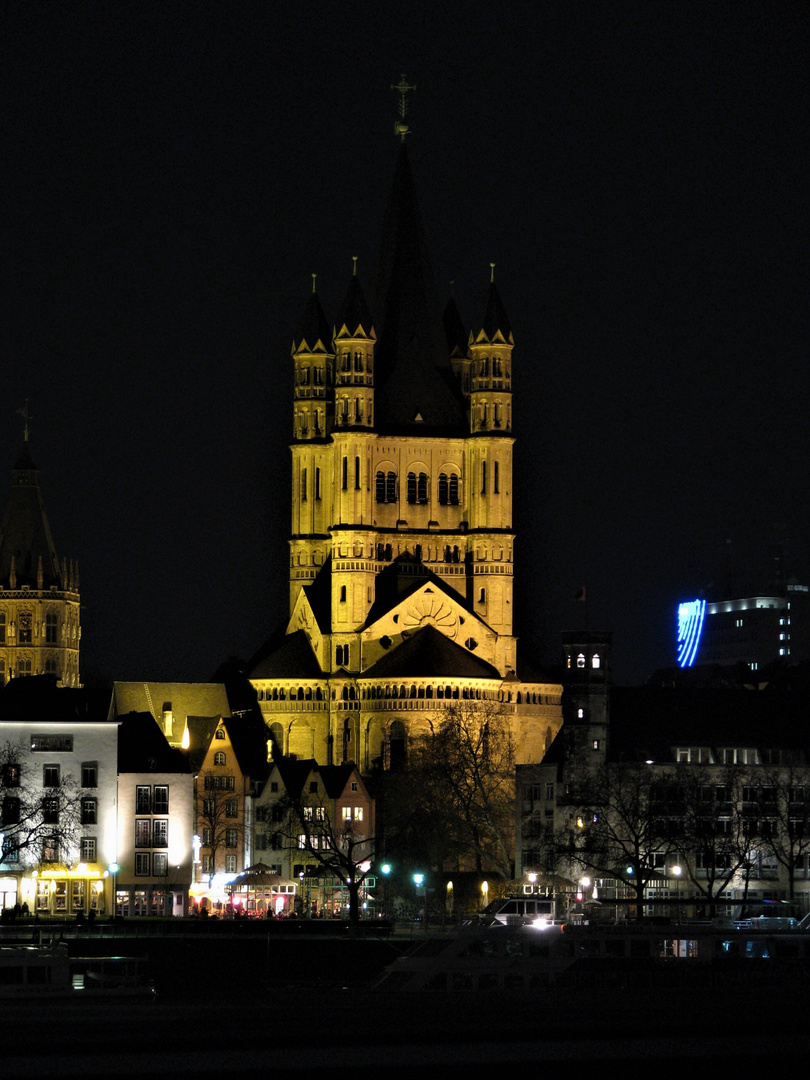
point(172, 174)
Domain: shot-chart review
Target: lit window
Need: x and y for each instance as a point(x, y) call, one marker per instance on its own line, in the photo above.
point(230, 864)
point(595, 661)
point(160, 864)
point(219, 758)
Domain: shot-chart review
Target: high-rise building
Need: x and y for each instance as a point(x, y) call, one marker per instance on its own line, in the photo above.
point(401, 574)
point(40, 627)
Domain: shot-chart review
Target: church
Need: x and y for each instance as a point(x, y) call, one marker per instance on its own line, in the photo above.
point(401, 552)
point(40, 626)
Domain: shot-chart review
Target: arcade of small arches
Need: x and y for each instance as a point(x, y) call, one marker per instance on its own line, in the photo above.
point(401, 691)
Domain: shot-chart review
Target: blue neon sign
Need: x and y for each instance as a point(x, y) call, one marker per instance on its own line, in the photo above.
point(690, 627)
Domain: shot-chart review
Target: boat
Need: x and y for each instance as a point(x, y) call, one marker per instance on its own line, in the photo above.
point(525, 957)
point(48, 971)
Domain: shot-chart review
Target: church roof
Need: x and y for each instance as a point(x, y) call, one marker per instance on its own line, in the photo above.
point(26, 543)
point(427, 654)
point(414, 386)
point(287, 656)
point(454, 332)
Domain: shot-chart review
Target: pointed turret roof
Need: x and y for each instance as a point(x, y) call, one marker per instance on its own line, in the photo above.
point(495, 320)
point(415, 389)
point(454, 332)
point(354, 314)
point(26, 544)
point(314, 333)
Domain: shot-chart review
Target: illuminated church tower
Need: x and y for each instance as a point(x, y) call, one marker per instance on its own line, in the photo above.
point(39, 596)
point(401, 549)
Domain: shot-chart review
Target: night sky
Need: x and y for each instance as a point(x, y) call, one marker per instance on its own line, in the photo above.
point(173, 173)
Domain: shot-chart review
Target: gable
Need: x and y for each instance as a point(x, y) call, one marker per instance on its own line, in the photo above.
point(428, 605)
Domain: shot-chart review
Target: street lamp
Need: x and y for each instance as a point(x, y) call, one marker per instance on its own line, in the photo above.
point(385, 870)
point(677, 871)
point(484, 893)
point(113, 869)
point(419, 882)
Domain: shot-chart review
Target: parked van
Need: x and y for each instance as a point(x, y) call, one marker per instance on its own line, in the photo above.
point(517, 910)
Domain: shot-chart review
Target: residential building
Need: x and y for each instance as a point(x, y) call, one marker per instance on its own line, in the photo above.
point(228, 759)
point(694, 795)
point(314, 826)
point(59, 794)
point(155, 821)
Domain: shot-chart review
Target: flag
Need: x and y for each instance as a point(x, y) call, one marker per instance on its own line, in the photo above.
point(580, 594)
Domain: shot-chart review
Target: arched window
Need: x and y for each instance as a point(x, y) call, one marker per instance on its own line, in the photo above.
point(483, 478)
point(379, 487)
point(219, 757)
point(277, 738)
point(581, 660)
point(50, 628)
point(422, 488)
point(453, 490)
point(343, 594)
point(397, 744)
point(443, 489)
point(595, 661)
point(391, 487)
point(411, 487)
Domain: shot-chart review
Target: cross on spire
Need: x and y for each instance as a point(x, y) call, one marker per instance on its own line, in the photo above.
point(402, 88)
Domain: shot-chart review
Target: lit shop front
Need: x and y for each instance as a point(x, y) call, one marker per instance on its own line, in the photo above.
point(77, 891)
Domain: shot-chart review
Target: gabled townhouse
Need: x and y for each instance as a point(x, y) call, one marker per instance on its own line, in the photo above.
point(58, 791)
point(312, 823)
point(228, 759)
point(155, 821)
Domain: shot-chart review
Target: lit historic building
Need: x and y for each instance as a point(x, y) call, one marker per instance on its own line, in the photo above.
point(39, 595)
point(401, 577)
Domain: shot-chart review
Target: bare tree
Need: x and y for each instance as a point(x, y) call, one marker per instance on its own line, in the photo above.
point(40, 822)
point(718, 837)
point(783, 801)
point(620, 825)
point(460, 784)
point(220, 819)
point(341, 848)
